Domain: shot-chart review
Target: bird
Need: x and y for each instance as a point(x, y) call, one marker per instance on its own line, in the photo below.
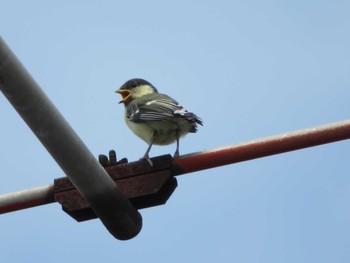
point(154, 117)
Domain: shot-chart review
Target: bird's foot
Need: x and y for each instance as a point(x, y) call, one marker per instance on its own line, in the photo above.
point(176, 154)
point(146, 158)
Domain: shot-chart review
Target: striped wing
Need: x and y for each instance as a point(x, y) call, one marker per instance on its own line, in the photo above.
point(157, 108)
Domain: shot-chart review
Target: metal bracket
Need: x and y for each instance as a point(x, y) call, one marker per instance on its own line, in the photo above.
point(144, 185)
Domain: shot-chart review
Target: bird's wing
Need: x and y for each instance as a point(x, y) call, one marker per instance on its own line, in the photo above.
point(155, 109)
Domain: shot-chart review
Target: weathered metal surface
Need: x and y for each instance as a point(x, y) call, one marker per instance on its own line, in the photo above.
point(143, 185)
point(262, 147)
point(27, 198)
point(112, 160)
point(148, 186)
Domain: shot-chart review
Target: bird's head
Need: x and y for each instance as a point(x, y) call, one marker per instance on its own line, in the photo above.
point(135, 88)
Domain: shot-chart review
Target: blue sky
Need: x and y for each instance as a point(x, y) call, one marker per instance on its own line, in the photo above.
point(249, 69)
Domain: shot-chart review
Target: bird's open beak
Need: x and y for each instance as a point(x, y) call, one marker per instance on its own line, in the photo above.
point(126, 95)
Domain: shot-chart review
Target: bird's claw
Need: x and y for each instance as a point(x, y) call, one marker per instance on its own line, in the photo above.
point(176, 154)
point(146, 158)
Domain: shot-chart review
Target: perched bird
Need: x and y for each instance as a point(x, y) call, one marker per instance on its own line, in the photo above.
point(154, 117)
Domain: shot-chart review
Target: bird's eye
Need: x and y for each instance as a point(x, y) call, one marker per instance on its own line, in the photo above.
point(134, 84)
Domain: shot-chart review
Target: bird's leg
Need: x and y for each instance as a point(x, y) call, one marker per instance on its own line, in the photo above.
point(146, 155)
point(177, 152)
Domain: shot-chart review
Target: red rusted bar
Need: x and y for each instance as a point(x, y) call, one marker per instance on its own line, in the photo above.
point(285, 142)
point(208, 159)
point(41, 195)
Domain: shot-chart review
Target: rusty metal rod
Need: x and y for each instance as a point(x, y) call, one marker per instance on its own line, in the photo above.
point(115, 211)
point(258, 148)
point(36, 196)
point(212, 158)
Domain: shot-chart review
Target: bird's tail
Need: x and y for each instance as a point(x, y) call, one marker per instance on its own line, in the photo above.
point(195, 120)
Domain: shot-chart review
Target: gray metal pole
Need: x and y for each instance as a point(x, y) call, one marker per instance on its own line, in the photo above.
point(115, 211)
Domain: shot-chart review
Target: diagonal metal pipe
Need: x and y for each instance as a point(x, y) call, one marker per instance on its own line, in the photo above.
point(121, 219)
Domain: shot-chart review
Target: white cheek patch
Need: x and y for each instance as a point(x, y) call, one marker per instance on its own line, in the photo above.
point(143, 90)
